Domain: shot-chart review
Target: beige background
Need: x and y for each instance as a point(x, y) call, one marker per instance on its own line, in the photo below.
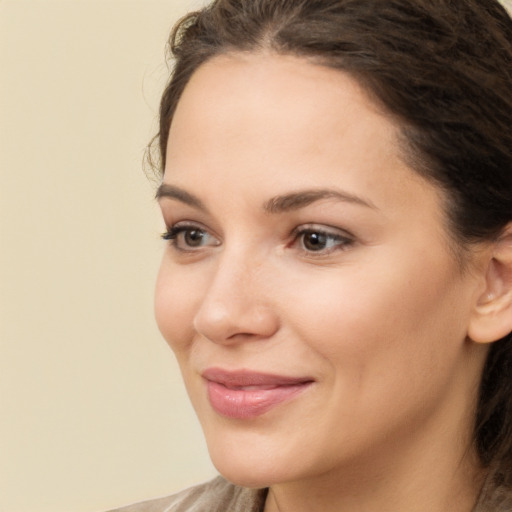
point(92, 410)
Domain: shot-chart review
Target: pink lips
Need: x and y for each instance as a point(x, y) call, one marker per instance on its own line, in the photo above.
point(244, 394)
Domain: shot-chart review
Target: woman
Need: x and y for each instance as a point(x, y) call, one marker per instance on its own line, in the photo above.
point(337, 287)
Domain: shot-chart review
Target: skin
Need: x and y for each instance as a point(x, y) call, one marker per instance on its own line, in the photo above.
point(379, 318)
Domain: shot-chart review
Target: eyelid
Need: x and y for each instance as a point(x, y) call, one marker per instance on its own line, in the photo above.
point(186, 224)
point(325, 229)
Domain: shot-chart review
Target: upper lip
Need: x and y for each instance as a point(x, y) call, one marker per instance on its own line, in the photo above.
point(241, 378)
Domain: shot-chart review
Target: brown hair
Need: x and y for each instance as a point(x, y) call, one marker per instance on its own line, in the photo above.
point(444, 69)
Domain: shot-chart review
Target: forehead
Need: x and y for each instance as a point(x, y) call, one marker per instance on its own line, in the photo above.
point(257, 79)
point(256, 112)
point(273, 102)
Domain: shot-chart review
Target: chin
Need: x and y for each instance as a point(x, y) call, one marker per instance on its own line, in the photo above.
point(249, 473)
point(248, 462)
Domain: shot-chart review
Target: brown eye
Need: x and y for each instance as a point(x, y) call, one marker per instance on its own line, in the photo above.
point(188, 238)
point(314, 241)
point(193, 237)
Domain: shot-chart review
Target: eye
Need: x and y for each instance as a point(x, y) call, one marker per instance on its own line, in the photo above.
point(186, 237)
point(317, 240)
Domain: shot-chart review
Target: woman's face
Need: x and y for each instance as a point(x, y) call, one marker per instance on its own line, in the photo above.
point(308, 290)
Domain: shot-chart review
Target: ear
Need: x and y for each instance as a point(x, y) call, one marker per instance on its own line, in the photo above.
point(492, 317)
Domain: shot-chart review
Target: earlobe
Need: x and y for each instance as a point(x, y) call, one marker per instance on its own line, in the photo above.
point(492, 316)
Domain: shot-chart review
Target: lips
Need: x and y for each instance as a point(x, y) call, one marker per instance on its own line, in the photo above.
point(244, 394)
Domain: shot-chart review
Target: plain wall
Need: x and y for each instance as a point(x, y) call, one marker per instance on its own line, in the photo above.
point(92, 410)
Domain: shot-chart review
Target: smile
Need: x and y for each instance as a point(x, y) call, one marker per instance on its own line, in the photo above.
point(244, 394)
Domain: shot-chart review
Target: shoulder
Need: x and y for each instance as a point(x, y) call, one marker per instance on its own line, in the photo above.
point(496, 496)
point(218, 495)
point(498, 501)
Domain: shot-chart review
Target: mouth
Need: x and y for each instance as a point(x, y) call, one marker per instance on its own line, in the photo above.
point(245, 394)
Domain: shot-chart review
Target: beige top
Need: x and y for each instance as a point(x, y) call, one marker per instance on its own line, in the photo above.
point(221, 496)
point(217, 495)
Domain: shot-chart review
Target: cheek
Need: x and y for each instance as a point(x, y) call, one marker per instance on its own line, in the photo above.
point(176, 297)
point(387, 347)
point(383, 322)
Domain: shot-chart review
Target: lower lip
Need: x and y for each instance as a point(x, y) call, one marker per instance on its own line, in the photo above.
point(250, 403)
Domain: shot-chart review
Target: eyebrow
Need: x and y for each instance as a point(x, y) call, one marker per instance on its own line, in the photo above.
point(173, 192)
point(277, 204)
point(302, 198)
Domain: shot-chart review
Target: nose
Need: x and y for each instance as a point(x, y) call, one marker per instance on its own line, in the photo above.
point(236, 305)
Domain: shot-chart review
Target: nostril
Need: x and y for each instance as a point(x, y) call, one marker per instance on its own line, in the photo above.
point(224, 322)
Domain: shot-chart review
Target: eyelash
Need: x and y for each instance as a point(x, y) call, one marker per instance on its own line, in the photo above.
point(337, 240)
point(172, 235)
